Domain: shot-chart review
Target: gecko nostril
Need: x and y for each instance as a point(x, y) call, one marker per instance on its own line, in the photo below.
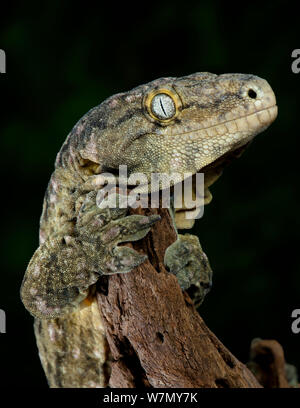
point(206, 285)
point(252, 94)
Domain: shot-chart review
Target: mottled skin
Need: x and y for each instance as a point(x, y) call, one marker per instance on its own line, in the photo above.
point(78, 240)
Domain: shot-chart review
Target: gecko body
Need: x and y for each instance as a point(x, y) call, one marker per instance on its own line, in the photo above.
point(184, 125)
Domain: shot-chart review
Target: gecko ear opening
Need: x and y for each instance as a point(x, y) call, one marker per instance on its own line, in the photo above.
point(89, 167)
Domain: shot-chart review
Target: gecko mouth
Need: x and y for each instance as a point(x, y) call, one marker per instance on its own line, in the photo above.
point(212, 172)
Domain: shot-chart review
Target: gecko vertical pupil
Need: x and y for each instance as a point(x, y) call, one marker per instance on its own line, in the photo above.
point(162, 106)
point(252, 94)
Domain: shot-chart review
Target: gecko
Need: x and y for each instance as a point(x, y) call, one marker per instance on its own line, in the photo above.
point(190, 124)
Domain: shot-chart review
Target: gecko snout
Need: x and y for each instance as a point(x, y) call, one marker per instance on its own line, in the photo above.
point(260, 99)
point(257, 91)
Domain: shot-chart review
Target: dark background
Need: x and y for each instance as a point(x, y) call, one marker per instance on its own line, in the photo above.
point(63, 59)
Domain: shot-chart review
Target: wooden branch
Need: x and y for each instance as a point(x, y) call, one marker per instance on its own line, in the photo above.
point(268, 363)
point(156, 336)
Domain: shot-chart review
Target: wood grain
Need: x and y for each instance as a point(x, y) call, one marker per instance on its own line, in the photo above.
point(156, 336)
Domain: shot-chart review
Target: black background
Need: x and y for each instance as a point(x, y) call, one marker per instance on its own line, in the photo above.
point(63, 59)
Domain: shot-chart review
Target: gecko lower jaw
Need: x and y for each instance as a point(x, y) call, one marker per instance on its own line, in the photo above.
point(255, 122)
point(212, 173)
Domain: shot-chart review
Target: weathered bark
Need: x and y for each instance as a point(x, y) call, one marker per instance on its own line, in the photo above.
point(156, 336)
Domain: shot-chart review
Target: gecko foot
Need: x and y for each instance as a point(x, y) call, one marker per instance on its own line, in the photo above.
point(186, 259)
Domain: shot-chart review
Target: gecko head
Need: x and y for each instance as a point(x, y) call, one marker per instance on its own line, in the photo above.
point(179, 126)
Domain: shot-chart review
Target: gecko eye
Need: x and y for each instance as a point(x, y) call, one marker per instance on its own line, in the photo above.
point(162, 106)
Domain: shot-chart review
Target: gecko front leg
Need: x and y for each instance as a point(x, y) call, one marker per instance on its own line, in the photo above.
point(63, 268)
point(186, 259)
